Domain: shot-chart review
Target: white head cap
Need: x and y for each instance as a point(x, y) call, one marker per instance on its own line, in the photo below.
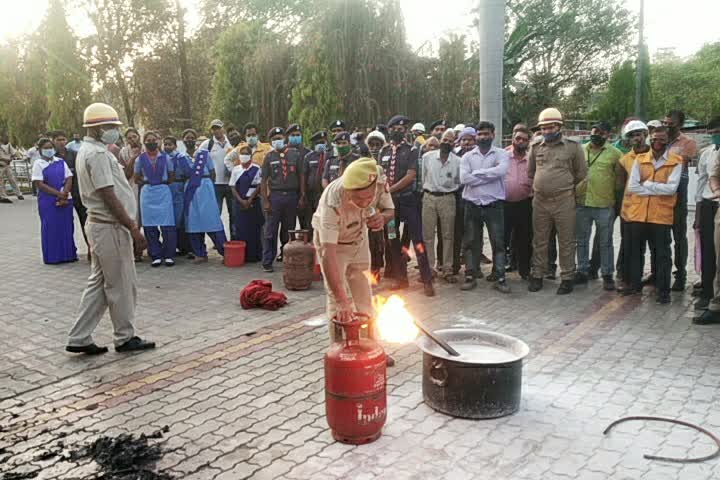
point(459, 127)
point(654, 123)
point(377, 135)
point(418, 127)
point(634, 125)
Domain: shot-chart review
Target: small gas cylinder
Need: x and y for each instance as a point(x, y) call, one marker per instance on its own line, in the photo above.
point(355, 378)
point(298, 261)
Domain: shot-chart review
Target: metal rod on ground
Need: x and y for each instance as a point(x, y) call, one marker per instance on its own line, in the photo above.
point(443, 344)
point(676, 422)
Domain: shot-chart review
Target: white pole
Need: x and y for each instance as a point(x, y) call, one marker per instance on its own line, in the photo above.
point(491, 30)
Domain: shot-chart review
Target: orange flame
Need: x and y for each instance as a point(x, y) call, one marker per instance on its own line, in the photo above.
point(394, 322)
point(372, 278)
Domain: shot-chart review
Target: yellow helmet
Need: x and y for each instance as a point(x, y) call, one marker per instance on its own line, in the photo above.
point(100, 114)
point(548, 116)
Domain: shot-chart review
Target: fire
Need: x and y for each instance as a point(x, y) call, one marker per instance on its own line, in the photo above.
point(372, 278)
point(394, 322)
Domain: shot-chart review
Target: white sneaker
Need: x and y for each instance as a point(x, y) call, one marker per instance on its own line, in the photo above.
point(156, 263)
point(169, 262)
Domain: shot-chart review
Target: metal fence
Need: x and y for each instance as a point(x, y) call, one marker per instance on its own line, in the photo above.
point(23, 172)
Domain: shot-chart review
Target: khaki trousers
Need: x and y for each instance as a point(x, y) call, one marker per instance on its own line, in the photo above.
point(443, 208)
point(714, 305)
point(111, 285)
point(353, 262)
point(557, 211)
point(6, 171)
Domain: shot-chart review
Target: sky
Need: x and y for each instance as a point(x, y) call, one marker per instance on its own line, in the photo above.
point(684, 26)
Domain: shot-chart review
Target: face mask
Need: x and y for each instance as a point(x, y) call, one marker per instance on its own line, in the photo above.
point(485, 142)
point(295, 139)
point(234, 141)
point(597, 140)
point(658, 146)
point(445, 148)
point(189, 144)
point(151, 146)
point(551, 137)
point(716, 139)
point(245, 159)
point(252, 141)
point(169, 151)
point(110, 136)
point(520, 147)
point(278, 144)
point(344, 150)
point(397, 137)
point(47, 152)
point(321, 147)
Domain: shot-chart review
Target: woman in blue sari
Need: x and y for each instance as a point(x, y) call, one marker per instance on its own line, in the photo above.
point(249, 220)
point(53, 179)
point(155, 172)
point(202, 215)
point(181, 165)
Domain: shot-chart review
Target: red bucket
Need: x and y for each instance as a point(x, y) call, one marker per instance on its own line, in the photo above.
point(235, 253)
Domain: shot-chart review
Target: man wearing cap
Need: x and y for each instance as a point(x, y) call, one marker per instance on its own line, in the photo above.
point(337, 164)
point(348, 207)
point(295, 139)
point(252, 139)
point(556, 165)
point(283, 191)
point(336, 127)
point(418, 132)
point(400, 167)
point(219, 146)
point(111, 230)
point(313, 167)
point(437, 128)
point(595, 197)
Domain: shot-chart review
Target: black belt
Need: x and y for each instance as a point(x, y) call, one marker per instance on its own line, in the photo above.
point(439, 194)
point(357, 242)
point(403, 194)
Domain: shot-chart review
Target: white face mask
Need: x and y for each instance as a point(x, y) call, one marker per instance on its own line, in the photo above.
point(245, 159)
point(110, 136)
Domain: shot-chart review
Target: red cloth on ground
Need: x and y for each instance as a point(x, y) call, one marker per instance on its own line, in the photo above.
point(258, 293)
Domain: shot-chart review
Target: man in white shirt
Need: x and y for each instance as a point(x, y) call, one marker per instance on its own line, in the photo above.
point(7, 154)
point(219, 146)
point(705, 210)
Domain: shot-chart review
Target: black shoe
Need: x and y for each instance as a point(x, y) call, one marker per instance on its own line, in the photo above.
point(551, 275)
point(91, 349)
point(268, 268)
point(20, 197)
point(649, 280)
point(627, 291)
point(279, 258)
point(492, 277)
point(389, 361)
point(580, 278)
point(593, 275)
point(608, 283)
point(566, 286)
point(135, 344)
point(468, 284)
point(190, 256)
point(535, 284)
point(707, 318)
point(697, 285)
point(484, 260)
point(5, 200)
point(678, 285)
point(662, 298)
point(524, 276)
point(701, 304)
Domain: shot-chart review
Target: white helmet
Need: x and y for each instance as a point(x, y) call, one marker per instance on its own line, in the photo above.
point(418, 127)
point(459, 127)
point(377, 135)
point(634, 125)
point(654, 123)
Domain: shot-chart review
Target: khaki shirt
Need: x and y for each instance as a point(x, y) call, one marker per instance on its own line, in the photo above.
point(556, 167)
point(98, 168)
point(340, 222)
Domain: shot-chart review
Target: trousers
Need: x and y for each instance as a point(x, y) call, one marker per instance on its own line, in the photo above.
point(283, 216)
point(518, 233)
point(406, 210)
point(438, 217)
point(554, 212)
point(603, 218)
point(491, 216)
point(112, 285)
point(658, 237)
point(223, 193)
point(166, 248)
point(706, 216)
point(679, 229)
point(197, 242)
point(6, 172)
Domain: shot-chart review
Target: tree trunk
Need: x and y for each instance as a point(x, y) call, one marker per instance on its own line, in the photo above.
point(184, 74)
point(125, 95)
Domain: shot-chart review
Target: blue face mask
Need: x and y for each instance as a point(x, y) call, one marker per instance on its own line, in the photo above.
point(47, 152)
point(295, 139)
point(278, 144)
point(551, 137)
point(321, 147)
point(252, 141)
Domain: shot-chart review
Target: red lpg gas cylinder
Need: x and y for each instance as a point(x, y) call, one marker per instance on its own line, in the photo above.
point(355, 375)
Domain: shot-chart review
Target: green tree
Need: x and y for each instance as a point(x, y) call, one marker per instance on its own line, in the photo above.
point(618, 101)
point(68, 81)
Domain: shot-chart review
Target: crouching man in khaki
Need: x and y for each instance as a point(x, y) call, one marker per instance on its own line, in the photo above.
point(111, 230)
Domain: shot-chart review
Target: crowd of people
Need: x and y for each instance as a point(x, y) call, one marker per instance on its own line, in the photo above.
point(537, 199)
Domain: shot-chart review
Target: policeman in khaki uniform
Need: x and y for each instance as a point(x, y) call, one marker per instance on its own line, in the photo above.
point(358, 200)
point(555, 165)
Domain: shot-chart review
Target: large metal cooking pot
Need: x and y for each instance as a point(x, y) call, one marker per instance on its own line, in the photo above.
point(485, 381)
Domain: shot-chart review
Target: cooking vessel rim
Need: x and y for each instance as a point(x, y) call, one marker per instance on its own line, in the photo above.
point(425, 344)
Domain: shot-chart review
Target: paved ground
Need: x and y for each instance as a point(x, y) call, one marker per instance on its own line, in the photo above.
point(242, 391)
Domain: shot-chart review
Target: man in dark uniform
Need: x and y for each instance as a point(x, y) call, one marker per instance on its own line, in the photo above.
point(400, 167)
point(313, 168)
point(437, 128)
point(336, 165)
point(336, 127)
point(282, 179)
point(294, 138)
point(59, 140)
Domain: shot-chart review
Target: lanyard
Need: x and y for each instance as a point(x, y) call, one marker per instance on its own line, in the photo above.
point(590, 162)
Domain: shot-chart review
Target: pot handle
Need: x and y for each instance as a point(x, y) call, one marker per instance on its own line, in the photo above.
point(438, 373)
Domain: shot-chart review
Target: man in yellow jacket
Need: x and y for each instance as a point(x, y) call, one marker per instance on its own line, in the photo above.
point(648, 210)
